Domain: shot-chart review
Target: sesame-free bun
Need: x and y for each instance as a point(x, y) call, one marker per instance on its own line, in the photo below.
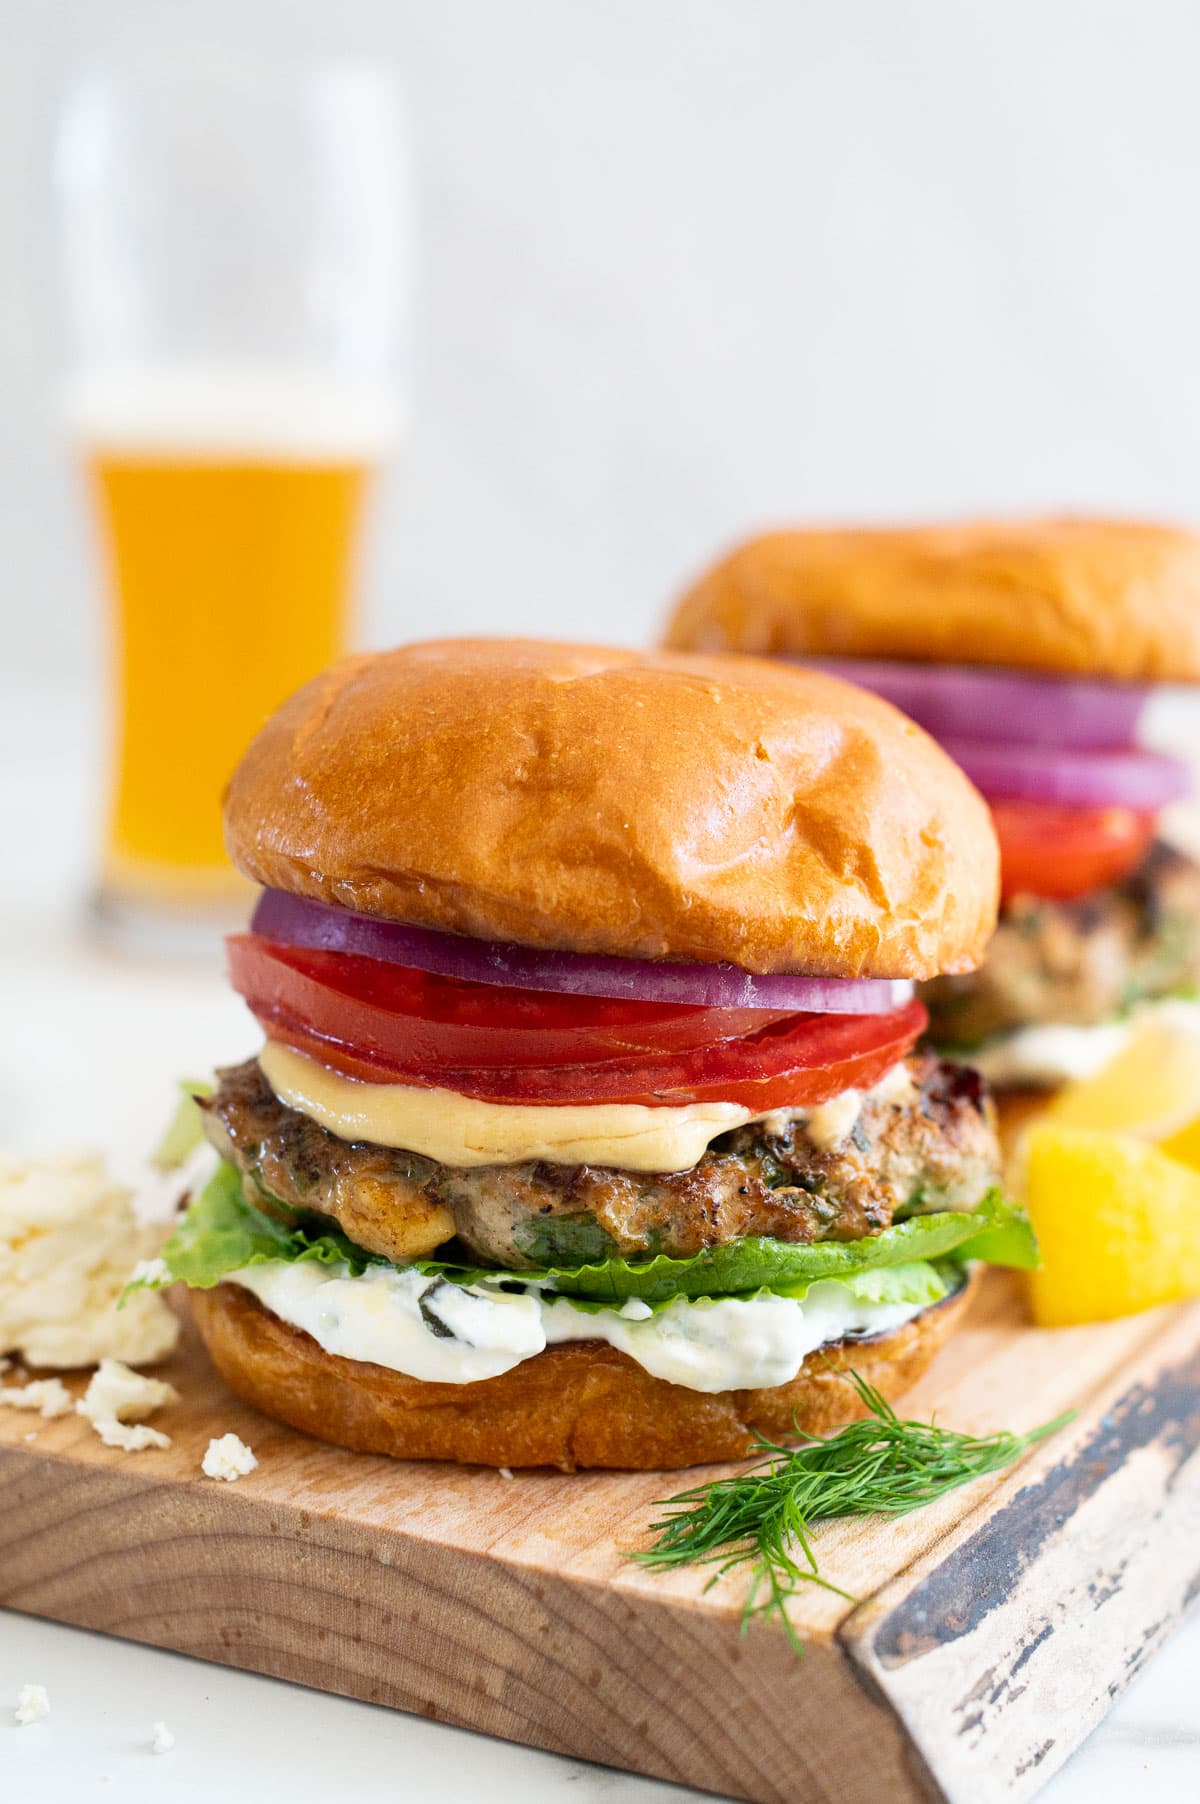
point(1106, 598)
point(580, 1404)
point(645, 805)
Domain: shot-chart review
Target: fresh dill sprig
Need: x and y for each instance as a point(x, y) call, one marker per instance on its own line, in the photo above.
point(763, 1517)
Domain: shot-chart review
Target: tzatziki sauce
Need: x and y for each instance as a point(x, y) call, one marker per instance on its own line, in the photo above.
point(429, 1328)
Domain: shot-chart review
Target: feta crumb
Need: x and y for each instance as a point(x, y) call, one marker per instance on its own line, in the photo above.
point(504, 1471)
point(161, 1739)
point(116, 1395)
point(49, 1396)
point(33, 1703)
point(133, 1438)
point(68, 1236)
point(634, 1309)
point(150, 1271)
point(227, 1457)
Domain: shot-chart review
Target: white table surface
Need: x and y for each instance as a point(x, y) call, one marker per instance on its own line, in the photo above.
point(90, 1046)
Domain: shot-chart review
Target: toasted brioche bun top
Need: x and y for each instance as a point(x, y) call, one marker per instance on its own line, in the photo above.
point(1108, 598)
point(639, 804)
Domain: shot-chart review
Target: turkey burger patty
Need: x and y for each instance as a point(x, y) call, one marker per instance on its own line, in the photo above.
point(923, 1139)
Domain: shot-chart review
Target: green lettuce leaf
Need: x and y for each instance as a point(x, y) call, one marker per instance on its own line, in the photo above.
point(996, 1231)
point(222, 1232)
point(184, 1132)
point(917, 1282)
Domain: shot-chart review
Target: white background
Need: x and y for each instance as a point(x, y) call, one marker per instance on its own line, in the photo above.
point(686, 267)
point(692, 265)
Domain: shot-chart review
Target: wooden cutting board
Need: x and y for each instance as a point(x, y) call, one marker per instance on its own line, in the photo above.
point(993, 1629)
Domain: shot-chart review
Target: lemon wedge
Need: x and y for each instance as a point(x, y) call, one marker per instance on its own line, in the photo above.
point(1150, 1088)
point(1184, 1145)
point(1117, 1221)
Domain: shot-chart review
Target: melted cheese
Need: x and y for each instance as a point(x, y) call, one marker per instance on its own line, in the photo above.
point(445, 1333)
point(826, 1124)
point(462, 1130)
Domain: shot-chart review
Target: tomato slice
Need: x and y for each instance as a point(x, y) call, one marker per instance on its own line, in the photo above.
point(809, 1061)
point(1050, 850)
point(521, 1046)
point(416, 1021)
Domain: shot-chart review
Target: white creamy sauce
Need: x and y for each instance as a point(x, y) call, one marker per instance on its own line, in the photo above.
point(462, 1130)
point(378, 1317)
point(463, 1334)
point(1061, 1052)
point(728, 1343)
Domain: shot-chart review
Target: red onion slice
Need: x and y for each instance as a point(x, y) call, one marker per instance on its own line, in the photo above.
point(299, 921)
point(1018, 708)
point(1132, 779)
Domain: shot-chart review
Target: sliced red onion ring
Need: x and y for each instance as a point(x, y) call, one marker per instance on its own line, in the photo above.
point(1015, 707)
point(299, 921)
point(1133, 779)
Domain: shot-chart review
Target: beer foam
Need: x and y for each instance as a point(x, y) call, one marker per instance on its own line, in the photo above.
point(217, 410)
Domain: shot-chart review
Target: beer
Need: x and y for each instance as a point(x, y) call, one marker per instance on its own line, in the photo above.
point(235, 246)
point(230, 515)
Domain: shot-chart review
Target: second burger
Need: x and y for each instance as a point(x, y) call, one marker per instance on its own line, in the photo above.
point(1030, 649)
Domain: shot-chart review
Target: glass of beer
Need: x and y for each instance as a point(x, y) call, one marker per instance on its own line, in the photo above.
point(235, 252)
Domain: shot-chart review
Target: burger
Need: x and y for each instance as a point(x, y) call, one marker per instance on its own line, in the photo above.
point(588, 1129)
point(1030, 650)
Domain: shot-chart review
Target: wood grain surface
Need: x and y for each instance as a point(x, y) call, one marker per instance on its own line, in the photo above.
point(991, 1631)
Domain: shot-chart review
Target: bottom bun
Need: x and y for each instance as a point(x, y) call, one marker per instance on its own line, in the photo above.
point(580, 1404)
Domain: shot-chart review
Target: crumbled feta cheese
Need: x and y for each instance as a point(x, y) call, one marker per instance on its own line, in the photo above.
point(161, 1739)
point(49, 1396)
point(33, 1703)
point(227, 1457)
point(115, 1397)
point(131, 1439)
point(68, 1236)
point(504, 1471)
point(150, 1271)
point(635, 1309)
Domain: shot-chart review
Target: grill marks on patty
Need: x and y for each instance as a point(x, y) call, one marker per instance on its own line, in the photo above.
point(934, 1148)
point(1082, 961)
